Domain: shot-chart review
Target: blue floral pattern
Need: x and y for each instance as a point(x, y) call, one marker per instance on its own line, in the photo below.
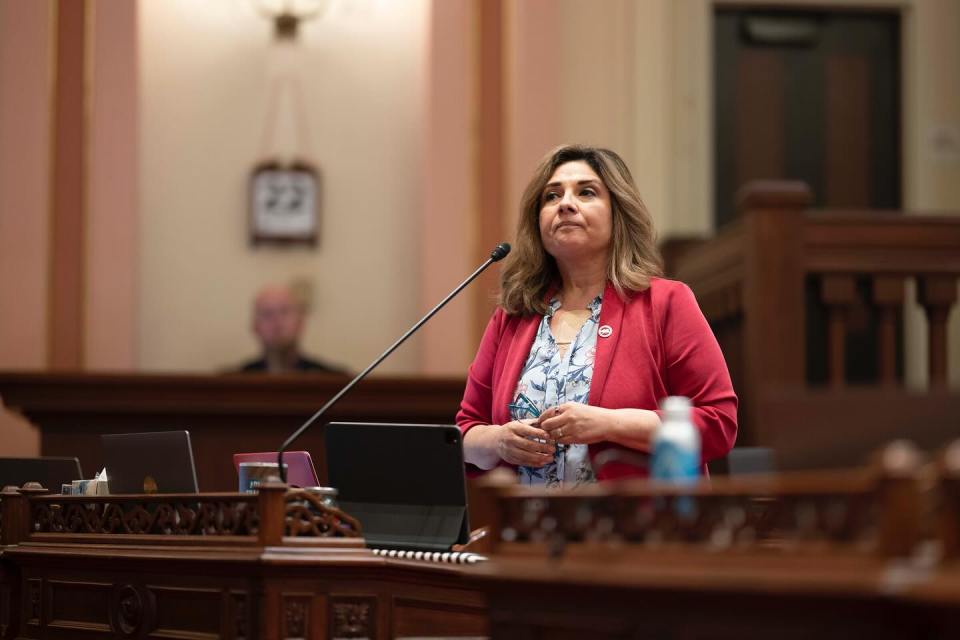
point(549, 378)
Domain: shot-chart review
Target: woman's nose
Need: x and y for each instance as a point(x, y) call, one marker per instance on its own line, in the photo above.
point(567, 202)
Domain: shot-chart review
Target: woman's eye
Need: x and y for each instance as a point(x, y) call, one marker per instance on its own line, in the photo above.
point(547, 197)
point(589, 192)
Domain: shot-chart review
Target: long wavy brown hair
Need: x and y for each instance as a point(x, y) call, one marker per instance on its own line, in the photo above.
point(529, 271)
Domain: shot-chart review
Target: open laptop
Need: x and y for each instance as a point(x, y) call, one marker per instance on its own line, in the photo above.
point(51, 472)
point(403, 482)
point(299, 464)
point(154, 462)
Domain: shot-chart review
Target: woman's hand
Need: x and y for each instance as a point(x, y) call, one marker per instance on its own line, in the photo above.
point(577, 423)
point(521, 443)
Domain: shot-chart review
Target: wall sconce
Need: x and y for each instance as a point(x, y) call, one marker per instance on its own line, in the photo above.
point(287, 15)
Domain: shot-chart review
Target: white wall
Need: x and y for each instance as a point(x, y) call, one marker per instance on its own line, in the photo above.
point(205, 69)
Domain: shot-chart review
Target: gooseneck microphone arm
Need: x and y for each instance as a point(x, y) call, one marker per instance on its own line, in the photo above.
point(498, 253)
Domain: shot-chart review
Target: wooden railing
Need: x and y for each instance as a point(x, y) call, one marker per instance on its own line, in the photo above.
point(882, 510)
point(31, 514)
point(869, 552)
point(762, 280)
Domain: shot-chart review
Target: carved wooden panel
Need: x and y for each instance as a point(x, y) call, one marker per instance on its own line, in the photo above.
point(133, 610)
point(307, 515)
point(79, 606)
point(178, 515)
point(295, 616)
point(33, 601)
point(6, 597)
point(196, 515)
point(713, 521)
point(187, 611)
point(239, 615)
point(353, 617)
point(412, 615)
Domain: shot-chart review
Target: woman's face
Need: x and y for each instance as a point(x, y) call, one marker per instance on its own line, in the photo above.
point(576, 221)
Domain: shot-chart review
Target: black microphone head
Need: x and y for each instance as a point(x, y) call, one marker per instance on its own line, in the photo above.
point(500, 251)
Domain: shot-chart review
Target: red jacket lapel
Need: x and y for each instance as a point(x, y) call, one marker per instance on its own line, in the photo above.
point(608, 337)
point(524, 330)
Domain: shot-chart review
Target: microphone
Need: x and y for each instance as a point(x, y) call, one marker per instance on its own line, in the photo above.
point(499, 253)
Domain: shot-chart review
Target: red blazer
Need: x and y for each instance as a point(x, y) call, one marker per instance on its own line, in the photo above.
point(659, 345)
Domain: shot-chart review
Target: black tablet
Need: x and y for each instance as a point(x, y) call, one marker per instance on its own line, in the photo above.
point(403, 482)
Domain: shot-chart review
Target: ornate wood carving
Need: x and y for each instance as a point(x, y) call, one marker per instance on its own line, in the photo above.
point(712, 521)
point(5, 606)
point(181, 515)
point(296, 617)
point(161, 515)
point(133, 610)
point(306, 515)
point(848, 511)
point(241, 614)
point(34, 601)
point(129, 607)
point(353, 617)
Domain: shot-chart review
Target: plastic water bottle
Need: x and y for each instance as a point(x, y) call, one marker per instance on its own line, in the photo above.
point(676, 453)
point(676, 445)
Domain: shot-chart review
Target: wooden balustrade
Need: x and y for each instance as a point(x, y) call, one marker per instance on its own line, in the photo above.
point(838, 554)
point(872, 511)
point(763, 280)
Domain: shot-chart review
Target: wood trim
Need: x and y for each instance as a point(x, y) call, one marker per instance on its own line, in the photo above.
point(848, 153)
point(68, 188)
point(491, 153)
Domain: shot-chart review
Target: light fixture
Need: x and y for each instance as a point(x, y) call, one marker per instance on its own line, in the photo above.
point(288, 14)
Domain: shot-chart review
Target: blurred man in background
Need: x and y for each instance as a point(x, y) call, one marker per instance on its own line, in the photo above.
point(278, 317)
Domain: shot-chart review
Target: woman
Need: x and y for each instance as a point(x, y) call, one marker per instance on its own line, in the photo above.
point(587, 338)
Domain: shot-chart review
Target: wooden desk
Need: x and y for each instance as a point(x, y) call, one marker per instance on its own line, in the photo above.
point(226, 567)
point(716, 596)
point(827, 555)
point(224, 414)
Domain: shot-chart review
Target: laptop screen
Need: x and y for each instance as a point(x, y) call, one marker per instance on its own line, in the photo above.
point(153, 462)
point(51, 472)
point(403, 482)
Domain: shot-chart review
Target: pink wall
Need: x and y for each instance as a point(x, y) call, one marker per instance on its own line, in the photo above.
point(110, 310)
point(535, 100)
point(24, 181)
point(25, 47)
point(449, 193)
point(93, 300)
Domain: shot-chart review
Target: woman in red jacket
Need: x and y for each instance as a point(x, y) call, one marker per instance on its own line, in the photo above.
point(588, 338)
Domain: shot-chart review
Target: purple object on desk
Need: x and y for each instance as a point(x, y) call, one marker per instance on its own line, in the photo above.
point(299, 464)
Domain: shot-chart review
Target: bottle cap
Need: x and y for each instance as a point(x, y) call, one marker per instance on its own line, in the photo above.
point(676, 407)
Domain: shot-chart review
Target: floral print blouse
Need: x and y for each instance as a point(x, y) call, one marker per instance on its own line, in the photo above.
point(549, 378)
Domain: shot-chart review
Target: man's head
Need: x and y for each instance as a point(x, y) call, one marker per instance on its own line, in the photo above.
point(277, 319)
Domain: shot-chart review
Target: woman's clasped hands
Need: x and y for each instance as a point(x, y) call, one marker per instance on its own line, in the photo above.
point(523, 442)
point(575, 423)
point(531, 442)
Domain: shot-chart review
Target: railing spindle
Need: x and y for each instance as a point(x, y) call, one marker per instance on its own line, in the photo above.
point(937, 293)
point(888, 295)
point(838, 292)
